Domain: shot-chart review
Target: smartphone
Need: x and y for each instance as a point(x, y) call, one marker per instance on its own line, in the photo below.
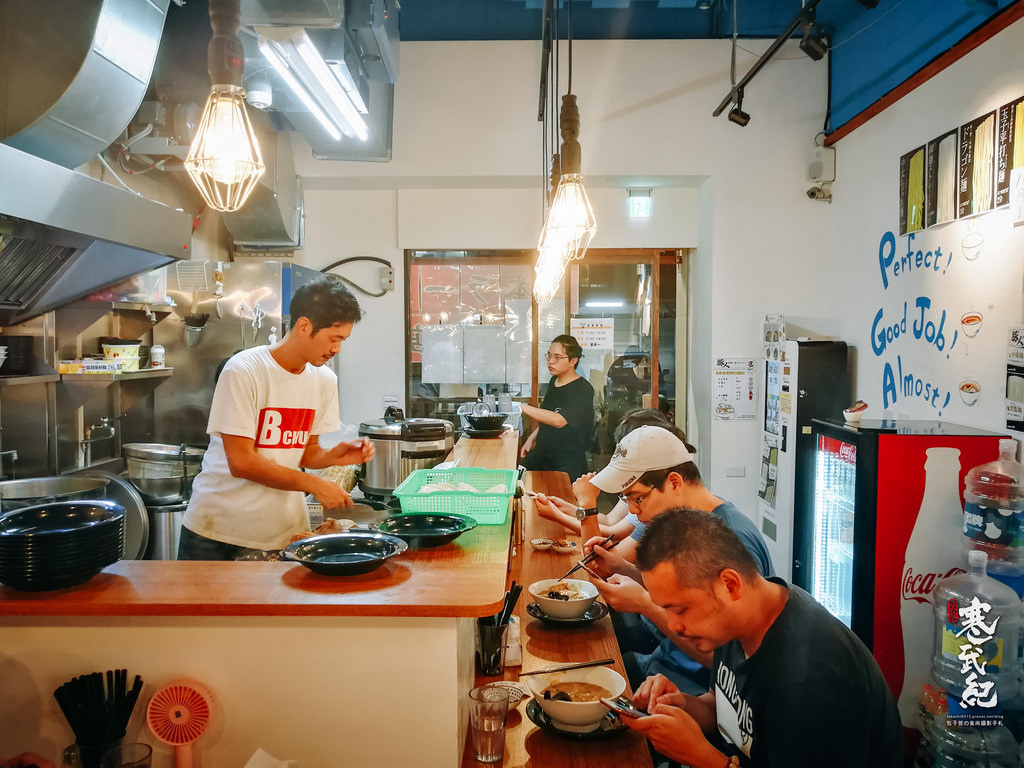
point(623, 706)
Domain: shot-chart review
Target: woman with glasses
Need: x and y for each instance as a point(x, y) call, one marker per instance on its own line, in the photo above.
point(564, 423)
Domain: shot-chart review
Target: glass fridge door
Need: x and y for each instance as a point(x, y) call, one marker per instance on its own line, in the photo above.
point(832, 563)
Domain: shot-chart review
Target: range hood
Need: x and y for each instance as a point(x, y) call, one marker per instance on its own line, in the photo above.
point(64, 235)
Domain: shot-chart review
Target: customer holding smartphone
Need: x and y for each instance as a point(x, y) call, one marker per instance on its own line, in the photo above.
point(792, 685)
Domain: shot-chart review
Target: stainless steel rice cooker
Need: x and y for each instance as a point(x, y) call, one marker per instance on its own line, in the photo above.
point(401, 446)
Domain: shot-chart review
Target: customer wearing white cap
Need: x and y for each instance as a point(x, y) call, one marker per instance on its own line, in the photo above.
point(652, 471)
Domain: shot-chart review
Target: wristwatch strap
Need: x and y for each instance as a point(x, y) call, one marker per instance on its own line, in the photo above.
point(582, 512)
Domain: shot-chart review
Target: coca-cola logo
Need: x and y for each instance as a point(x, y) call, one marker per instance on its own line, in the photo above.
point(848, 452)
point(919, 586)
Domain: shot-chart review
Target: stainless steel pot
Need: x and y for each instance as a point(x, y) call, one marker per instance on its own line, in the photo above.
point(402, 445)
point(163, 474)
point(15, 494)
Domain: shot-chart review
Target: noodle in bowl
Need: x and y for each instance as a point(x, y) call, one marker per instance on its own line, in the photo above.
point(576, 713)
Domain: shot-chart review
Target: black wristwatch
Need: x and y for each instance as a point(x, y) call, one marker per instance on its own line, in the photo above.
point(582, 513)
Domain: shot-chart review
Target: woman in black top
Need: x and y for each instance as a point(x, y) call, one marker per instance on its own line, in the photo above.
point(565, 419)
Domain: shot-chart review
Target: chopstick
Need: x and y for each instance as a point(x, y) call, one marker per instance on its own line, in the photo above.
point(591, 571)
point(588, 558)
point(577, 665)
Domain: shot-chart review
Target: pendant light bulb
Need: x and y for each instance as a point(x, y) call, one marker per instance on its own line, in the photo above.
point(224, 160)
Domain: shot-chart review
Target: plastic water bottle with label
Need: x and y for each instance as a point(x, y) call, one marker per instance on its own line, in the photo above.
point(994, 515)
point(975, 656)
point(975, 659)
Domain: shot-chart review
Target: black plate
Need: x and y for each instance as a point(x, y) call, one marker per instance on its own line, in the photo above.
point(610, 725)
point(596, 611)
point(423, 531)
point(482, 433)
point(59, 518)
point(345, 554)
point(42, 584)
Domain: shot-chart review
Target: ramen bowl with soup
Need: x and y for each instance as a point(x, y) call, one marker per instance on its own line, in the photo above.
point(565, 598)
point(584, 687)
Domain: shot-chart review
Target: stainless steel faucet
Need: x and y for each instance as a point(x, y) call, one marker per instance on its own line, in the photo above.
point(105, 430)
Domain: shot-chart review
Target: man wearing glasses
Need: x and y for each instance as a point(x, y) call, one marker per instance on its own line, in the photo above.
point(652, 471)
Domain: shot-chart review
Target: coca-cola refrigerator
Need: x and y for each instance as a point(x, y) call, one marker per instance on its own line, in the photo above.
point(887, 525)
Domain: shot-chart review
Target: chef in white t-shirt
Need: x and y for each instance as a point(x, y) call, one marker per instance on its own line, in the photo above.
point(269, 407)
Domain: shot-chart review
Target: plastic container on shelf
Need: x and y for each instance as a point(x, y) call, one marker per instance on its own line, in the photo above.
point(975, 655)
point(994, 515)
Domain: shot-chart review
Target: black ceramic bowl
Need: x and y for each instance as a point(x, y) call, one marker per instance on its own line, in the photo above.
point(424, 531)
point(485, 422)
point(345, 554)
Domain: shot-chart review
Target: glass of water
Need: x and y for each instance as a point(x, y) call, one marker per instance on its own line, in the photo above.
point(488, 706)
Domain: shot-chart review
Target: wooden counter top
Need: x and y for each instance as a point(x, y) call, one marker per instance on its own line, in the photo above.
point(543, 646)
point(464, 578)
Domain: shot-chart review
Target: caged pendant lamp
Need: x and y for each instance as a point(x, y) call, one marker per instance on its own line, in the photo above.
point(570, 224)
point(224, 160)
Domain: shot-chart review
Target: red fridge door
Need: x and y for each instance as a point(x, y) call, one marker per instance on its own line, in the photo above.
point(918, 542)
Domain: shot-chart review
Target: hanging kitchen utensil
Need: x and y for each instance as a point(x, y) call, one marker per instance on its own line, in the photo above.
point(178, 715)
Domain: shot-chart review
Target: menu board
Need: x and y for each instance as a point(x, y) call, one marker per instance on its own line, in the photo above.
point(912, 191)
point(975, 177)
point(734, 383)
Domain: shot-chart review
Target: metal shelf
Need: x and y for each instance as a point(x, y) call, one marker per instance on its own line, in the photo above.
point(109, 378)
point(38, 378)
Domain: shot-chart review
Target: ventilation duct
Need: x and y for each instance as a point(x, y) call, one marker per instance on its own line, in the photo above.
point(74, 72)
point(63, 235)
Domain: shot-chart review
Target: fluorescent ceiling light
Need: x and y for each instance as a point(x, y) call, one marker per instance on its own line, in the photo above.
point(597, 304)
point(334, 104)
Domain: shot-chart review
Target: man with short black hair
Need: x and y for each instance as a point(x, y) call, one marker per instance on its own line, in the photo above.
point(269, 407)
point(793, 686)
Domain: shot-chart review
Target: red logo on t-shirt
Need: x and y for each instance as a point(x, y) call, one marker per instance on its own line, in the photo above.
point(284, 427)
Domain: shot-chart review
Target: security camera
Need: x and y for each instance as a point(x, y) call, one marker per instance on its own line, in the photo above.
point(823, 192)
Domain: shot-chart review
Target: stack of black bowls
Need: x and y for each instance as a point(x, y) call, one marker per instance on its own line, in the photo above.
point(60, 544)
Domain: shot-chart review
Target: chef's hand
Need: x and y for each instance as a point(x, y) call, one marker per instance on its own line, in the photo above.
point(528, 444)
point(586, 492)
point(27, 760)
point(331, 495)
point(358, 451)
point(624, 594)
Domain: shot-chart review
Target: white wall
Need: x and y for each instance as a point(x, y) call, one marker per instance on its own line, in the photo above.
point(866, 208)
point(467, 138)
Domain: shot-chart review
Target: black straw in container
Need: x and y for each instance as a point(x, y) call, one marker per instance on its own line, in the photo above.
point(98, 714)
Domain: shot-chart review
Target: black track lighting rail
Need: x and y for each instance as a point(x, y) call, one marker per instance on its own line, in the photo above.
point(735, 95)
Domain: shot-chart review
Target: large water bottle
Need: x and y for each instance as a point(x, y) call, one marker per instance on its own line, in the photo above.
point(994, 515)
point(975, 656)
point(970, 747)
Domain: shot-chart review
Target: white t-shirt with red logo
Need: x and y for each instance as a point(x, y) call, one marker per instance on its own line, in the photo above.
point(257, 398)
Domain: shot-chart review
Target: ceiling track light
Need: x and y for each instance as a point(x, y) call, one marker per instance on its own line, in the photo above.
point(736, 114)
point(224, 160)
point(815, 40)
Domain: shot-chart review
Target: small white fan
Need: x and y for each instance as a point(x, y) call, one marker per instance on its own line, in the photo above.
point(178, 715)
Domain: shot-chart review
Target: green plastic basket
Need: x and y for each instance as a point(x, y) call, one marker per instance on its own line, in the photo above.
point(485, 508)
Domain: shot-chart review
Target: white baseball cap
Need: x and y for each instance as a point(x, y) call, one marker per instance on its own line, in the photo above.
point(643, 449)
